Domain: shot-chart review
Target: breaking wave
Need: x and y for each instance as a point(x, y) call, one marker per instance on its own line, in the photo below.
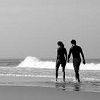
point(37, 63)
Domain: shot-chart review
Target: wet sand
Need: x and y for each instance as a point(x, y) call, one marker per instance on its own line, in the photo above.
point(36, 88)
point(43, 93)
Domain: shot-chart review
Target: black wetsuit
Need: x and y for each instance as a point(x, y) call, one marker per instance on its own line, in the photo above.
point(76, 50)
point(61, 59)
point(61, 52)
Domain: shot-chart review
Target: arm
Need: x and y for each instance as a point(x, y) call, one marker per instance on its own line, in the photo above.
point(57, 55)
point(69, 55)
point(83, 57)
point(66, 55)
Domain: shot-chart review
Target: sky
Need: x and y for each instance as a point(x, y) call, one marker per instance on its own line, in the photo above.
point(33, 27)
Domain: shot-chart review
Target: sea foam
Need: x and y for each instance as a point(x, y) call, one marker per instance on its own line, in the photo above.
point(33, 62)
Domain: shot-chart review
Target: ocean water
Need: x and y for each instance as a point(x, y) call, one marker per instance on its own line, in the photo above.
point(41, 72)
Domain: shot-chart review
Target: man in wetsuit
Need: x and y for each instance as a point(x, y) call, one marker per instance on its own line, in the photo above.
point(61, 59)
point(76, 51)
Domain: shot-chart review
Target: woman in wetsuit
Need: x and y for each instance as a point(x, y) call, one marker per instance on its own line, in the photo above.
point(61, 59)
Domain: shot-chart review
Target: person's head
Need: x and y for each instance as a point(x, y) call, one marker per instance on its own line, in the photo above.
point(73, 42)
point(60, 44)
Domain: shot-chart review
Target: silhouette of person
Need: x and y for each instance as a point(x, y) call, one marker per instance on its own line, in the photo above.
point(76, 50)
point(61, 59)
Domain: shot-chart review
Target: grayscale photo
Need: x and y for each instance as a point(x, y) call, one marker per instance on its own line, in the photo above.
point(49, 50)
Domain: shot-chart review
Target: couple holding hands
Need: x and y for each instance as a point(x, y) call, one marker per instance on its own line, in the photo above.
point(62, 58)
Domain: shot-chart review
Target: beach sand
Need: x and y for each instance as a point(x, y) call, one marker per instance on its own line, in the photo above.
point(43, 93)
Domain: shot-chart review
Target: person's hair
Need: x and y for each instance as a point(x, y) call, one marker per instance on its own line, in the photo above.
point(60, 43)
point(73, 41)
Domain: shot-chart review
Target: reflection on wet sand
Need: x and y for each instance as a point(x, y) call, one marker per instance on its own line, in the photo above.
point(72, 86)
point(77, 87)
point(68, 86)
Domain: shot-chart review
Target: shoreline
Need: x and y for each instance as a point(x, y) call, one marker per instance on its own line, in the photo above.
point(69, 85)
point(90, 80)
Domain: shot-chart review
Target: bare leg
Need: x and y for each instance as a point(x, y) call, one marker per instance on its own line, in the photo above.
point(63, 70)
point(56, 74)
point(57, 68)
point(64, 76)
point(77, 76)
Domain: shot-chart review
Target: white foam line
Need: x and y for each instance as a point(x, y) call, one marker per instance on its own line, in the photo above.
point(13, 75)
point(92, 79)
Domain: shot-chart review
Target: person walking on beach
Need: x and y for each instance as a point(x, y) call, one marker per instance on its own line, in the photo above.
point(61, 59)
point(76, 50)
